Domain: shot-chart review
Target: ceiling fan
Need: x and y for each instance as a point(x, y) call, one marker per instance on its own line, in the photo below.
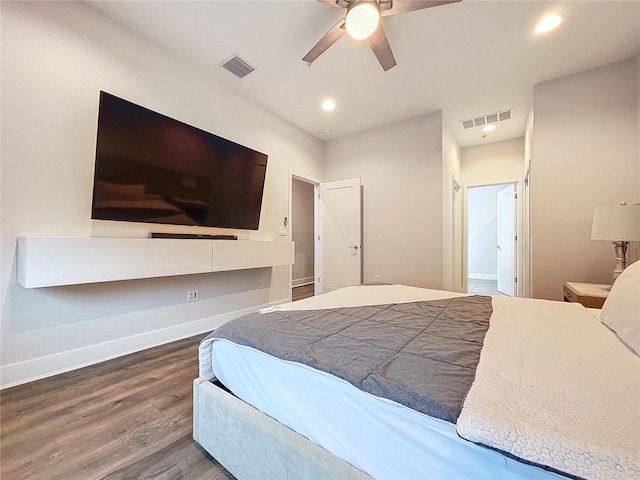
point(362, 21)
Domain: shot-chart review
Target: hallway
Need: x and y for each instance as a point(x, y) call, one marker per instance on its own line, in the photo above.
point(483, 287)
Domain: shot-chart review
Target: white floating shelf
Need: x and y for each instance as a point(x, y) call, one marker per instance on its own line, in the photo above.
point(238, 255)
point(47, 262)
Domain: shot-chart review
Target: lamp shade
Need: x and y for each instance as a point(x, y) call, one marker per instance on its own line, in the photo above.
point(617, 223)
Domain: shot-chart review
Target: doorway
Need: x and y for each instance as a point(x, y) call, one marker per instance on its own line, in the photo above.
point(303, 234)
point(328, 236)
point(492, 239)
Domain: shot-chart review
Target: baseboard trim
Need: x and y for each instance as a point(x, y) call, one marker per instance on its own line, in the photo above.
point(299, 282)
point(483, 276)
point(42, 367)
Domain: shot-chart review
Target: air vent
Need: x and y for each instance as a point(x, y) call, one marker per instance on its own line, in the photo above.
point(237, 66)
point(487, 119)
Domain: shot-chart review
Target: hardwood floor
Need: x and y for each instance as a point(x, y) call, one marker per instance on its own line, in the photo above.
point(303, 291)
point(127, 418)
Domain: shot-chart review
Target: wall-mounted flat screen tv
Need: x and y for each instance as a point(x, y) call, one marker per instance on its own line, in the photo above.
point(154, 169)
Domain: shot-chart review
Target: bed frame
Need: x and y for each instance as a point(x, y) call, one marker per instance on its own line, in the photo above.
point(252, 445)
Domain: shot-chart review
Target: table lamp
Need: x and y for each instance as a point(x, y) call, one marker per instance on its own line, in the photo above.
point(619, 224)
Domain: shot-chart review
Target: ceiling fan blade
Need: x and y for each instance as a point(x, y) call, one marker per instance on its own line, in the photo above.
point(331, 37)
point(381, 48)
point(395, 7)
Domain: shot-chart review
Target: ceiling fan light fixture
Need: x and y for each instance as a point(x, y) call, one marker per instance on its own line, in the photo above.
point(363, 18)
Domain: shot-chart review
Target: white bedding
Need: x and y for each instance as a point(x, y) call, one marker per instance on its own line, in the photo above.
point(582, 419)
point(367, 295)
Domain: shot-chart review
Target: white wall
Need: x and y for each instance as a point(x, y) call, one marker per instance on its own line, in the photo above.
point(302, 226)
point(401, 170)
point(451, 212)
point(56, 56)
point(633, 251)
point(585, 141)
point(491, 163)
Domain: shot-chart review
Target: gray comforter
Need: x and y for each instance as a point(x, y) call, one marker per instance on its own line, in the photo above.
point(421, 354)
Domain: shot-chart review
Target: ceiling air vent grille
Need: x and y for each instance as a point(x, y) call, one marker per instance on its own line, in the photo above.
point(239, 67)
point(487, 119)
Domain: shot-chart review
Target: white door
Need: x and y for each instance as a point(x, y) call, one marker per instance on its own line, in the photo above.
point(506, 240)
point(339, 235)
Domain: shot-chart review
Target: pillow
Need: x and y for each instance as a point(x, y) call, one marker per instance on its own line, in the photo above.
point(119, 191)
point(621, 309)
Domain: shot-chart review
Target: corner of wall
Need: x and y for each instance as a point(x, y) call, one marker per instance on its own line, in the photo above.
point(638, 127)
point(576, 167)
point(451, 211)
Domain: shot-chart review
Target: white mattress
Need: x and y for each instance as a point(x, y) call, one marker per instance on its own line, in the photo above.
point(380, 437)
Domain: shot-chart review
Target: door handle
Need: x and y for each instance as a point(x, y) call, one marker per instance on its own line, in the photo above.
point(355, 247)
point(498, 247)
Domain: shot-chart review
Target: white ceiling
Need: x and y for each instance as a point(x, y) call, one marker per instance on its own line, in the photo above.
point(466, 59)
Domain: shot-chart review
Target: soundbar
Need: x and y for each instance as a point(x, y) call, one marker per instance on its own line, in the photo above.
point(196, 236)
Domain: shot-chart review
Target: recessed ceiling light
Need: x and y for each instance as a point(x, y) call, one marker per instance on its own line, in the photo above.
point(548, 23)
point(328, 131)
point(488, 128)
point(328, 105)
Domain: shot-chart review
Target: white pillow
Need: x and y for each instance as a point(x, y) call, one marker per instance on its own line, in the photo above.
point(621, 310)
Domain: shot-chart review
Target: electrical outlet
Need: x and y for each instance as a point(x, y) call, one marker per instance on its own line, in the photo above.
point(376, 278)
point(192, 295)
point(261, 283)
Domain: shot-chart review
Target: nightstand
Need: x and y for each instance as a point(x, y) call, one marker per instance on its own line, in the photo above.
point(591, 295)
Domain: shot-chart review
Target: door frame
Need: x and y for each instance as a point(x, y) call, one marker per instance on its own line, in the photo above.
point(316, 257)
point(527, 274)
point(510, 190)
point(519, 228)
point(458, 279)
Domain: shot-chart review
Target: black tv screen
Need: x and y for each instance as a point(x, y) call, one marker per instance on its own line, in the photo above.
point(154, 169)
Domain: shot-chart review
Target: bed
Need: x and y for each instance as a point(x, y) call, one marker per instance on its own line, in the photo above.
point(553, 393)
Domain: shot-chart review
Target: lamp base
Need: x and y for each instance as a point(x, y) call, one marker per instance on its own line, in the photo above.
point(621, 258)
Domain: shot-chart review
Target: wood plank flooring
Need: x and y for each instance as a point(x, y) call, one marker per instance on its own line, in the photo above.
point(127, 418)
point(303, 291)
